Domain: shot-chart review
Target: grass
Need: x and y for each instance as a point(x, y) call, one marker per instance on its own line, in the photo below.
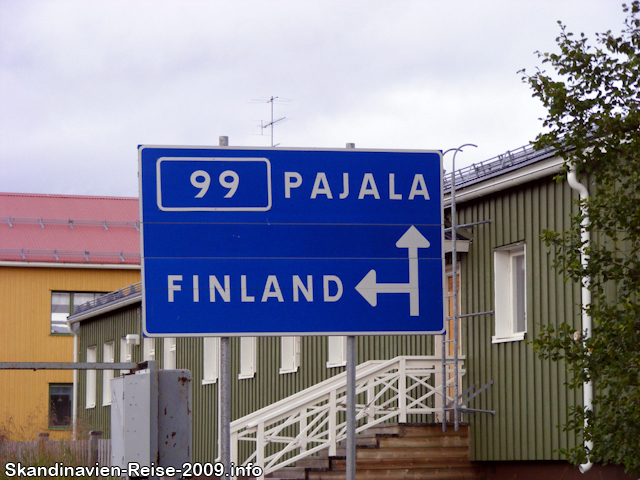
point(35, 454)
point(16, 450)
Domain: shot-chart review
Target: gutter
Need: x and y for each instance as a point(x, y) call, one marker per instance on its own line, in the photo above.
point(585, 237)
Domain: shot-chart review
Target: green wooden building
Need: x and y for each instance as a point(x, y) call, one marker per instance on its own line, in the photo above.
point(503, 267)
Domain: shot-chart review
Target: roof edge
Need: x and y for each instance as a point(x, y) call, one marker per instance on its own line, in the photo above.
point(511, 178)
point(114, 305)
point(60, 195)
point(102, 266)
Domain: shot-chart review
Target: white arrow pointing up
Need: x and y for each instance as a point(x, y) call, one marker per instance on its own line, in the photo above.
point(369, 288)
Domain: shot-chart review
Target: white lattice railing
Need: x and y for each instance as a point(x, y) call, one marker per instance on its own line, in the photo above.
point(314, 419)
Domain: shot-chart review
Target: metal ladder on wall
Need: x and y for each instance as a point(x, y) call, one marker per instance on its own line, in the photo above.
point(450, 366)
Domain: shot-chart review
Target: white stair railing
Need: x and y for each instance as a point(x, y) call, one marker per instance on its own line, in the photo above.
point(314, 419)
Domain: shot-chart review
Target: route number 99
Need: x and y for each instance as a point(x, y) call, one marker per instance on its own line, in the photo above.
point(224, 177)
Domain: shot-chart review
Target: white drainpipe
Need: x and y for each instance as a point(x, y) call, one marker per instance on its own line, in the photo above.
point(585, 236)
point(74, 414)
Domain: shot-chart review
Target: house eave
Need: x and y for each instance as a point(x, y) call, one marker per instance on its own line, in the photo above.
point(109, 307)
point(528, 173)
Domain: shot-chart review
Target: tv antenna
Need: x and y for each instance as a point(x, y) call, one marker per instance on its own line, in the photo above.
point(273, 121)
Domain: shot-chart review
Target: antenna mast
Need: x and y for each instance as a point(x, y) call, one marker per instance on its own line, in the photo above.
point(272, 122)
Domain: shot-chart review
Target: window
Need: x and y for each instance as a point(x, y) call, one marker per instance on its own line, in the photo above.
point(169, 353)
point(211, 359)
point(289, 354)
point(60, 405)
point(63, 305)
point(91, 378)
point(107, 375)
point(247, 357)
point(510, 294)
point(337, 355)
point(149, 349)
point(125, 353)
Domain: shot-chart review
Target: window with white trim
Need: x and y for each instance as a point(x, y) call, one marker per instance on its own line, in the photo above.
point(107, 375)
point(169, 353)
point(211, 360)
point(510, 284)
point(337, 352)
point(64, 304)
point(289, 354)
point(90, 394)
point(247, 357)
point(125, 353)
point(148, 349)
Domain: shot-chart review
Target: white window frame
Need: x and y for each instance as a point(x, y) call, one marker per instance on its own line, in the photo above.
point(108, 356)
point(148, 349)
point(247, 358)
point(90, 393)
point(210, 360)
point(507, 294)
point(289, 354)
point(169, 353)
point(125, 353)
point(68, 302)
point(336, 351)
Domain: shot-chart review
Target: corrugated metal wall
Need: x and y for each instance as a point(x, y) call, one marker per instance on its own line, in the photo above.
point(528, 394)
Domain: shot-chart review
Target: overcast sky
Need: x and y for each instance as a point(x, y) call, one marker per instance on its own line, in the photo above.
point(82, 83)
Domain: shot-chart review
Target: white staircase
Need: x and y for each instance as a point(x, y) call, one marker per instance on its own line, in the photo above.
point(314, 419)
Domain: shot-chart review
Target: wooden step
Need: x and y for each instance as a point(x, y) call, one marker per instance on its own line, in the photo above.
point(435, 431)
point(364, 442)
point(423, 442)
point(404, 453)
point(384, 429)
point(288, 473)
point(315, 461)
point(410, 474)
point(415, 430)
point(397, 451)
point(420, 463)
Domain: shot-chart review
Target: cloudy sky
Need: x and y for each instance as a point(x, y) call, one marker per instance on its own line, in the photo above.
point(82, 83)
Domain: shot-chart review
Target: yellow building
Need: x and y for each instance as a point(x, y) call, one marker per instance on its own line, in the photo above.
point(56, 252)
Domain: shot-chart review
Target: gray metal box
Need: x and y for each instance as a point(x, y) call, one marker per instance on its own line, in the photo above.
point(151, 418)
point(174, 418)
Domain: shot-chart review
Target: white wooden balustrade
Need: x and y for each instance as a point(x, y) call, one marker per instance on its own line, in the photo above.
point(314, 419)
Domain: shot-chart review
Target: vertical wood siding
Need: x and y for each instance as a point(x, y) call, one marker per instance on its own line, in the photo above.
point(528, 395)
point(96, 332)
point(25, 336)
point(247, 395)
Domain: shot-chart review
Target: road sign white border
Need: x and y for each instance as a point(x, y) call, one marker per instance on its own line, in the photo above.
point(212, 209)
point(141, 148)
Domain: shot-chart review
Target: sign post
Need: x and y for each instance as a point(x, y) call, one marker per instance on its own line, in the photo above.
point(266, 242)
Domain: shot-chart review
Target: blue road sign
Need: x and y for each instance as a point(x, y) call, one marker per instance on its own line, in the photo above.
point(248, 241)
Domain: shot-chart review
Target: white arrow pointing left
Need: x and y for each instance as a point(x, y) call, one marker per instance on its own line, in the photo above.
point(369, 288)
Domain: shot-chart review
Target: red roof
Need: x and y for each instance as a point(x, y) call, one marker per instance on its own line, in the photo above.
point(69, 229)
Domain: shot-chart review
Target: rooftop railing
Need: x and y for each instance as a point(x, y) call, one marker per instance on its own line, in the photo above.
point(511, 159)
point(31, 254)
point(70, 222)
point(108, 298)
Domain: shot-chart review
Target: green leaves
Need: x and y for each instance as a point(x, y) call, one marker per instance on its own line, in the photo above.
point(592, 98)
